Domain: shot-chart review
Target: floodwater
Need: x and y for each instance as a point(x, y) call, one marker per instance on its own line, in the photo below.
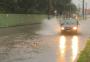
point(41, 43)
point(68, 49)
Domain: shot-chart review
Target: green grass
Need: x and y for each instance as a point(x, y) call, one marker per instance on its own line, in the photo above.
point(85, 54)
point(20, 19)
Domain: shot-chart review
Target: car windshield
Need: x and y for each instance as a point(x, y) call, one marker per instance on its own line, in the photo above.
point(69, 22)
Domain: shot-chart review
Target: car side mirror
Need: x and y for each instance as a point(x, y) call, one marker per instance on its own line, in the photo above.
point(78, 23)
point(62, 24)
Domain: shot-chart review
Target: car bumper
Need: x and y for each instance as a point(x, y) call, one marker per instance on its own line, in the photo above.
point(69, 30)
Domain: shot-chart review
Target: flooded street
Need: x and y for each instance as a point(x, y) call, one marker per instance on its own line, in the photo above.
point(41, 43)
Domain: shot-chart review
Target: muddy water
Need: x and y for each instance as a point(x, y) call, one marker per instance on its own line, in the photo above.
point(31, 44)
point(50, 27)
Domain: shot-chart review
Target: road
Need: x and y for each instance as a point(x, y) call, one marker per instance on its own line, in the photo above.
point(41, 43)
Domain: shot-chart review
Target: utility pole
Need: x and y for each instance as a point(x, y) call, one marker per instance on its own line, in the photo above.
point(83, 9)
point(86, 11)
point(49, 8)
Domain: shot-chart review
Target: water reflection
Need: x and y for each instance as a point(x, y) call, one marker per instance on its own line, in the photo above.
point(62, 44)
point(74, 47)
point(68, 48)
point(62, 47)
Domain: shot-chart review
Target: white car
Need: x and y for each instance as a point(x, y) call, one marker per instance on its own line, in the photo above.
point(69, 25)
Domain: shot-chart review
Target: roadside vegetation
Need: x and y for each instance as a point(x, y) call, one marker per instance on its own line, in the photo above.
point(35, 6)
point(21, 12)
point(85, 54)
point(7, 20)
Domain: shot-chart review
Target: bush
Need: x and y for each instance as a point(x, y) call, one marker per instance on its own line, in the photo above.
point(20, 19)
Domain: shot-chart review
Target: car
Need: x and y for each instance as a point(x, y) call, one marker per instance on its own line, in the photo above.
point(70, 25)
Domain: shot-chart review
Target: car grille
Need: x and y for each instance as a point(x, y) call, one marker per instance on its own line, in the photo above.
point(68, 28)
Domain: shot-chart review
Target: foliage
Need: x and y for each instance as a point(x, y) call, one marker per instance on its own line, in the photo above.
point(7, 20)
point(85, 54)
point(35, 6)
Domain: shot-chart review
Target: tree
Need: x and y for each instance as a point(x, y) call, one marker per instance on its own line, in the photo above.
point(63, 6)
point(36, 6)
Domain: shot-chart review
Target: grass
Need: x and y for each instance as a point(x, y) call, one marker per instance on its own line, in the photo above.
point(7, 20)
point(85, 54)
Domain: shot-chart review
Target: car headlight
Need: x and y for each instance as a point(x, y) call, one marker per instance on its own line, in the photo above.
point(74, 28)
point(62, 28)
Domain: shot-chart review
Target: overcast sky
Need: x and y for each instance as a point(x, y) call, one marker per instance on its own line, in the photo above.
point(79, 3)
